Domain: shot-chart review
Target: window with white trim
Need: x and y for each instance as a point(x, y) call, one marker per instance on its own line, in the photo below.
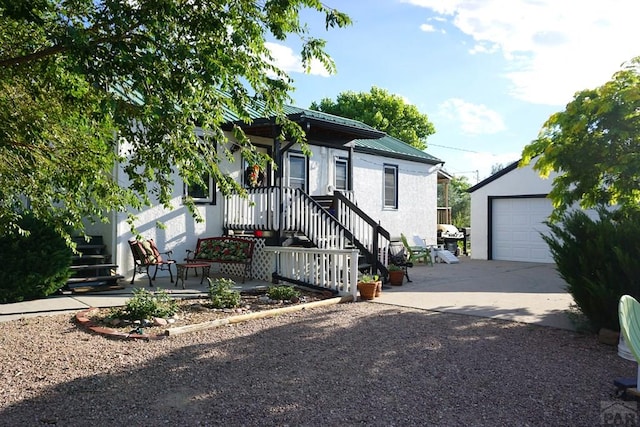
point(391, 186)
point(341, 175)
point(202, 193)
point(298, 171)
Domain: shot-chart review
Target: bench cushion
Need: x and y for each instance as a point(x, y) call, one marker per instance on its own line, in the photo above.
point(224, 250)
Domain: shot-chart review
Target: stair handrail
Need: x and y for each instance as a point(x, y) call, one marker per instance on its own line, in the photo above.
point(364, 229)
point(301, 213)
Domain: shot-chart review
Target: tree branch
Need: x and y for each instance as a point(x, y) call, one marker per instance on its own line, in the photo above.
point(54, 50)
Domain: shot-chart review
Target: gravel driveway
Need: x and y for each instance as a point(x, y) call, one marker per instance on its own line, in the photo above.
point(350, 364)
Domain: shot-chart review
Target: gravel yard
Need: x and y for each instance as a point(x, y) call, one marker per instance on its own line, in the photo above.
point(349, 364)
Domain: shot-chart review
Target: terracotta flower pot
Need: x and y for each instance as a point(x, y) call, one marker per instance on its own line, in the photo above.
point(367, 290)
point(396, 277)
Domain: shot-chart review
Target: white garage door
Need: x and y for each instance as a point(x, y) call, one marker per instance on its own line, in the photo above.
point(516, 227)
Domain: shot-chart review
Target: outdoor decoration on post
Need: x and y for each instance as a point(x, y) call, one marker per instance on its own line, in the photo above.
point(254, 176)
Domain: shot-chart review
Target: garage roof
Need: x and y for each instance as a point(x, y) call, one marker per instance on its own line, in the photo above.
point(495, 176)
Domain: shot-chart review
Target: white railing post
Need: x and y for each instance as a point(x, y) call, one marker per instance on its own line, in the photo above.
point(333, 269)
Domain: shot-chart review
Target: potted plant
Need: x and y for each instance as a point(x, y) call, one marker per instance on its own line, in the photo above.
point(396, 275)
point(369, 287)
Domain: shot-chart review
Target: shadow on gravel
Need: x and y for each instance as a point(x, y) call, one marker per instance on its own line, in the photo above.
point(380, 366)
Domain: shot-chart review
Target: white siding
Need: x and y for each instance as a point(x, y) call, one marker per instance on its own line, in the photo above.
point(417, 195)
point(181, 229)
point(518, 182)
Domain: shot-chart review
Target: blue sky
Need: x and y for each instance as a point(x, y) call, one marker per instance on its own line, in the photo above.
point(488, 73)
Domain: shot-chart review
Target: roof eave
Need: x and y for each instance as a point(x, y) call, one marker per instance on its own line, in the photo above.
point(493, 177)
point(399, 156)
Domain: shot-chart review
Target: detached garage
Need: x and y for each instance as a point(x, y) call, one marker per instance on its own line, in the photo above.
point(508, 211)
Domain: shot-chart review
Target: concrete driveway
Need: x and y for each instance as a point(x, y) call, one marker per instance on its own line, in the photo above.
point(518, 291)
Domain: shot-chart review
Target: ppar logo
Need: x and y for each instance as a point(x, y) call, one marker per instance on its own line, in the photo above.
point(617, 413)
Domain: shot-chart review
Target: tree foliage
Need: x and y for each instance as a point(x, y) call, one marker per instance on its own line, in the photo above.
point(593, 144)
point(598, 258)
point(383, 111)
point(34, 265)
point(459, 200)
point(85, 84)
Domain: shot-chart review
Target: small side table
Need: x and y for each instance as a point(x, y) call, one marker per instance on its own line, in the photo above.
point(184, 268)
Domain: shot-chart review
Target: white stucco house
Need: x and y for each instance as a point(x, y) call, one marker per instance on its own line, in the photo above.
point(376, 185)
point(508, 211)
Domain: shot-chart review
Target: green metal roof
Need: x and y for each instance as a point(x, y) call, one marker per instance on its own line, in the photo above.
point(327, 118)
point(257, 114)
point(389, 146)
point(379, 144)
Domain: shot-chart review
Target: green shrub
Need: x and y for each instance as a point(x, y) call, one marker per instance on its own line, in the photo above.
point(282, 293)
point(599, 261)
point(222, 294)
point(147, 305)
point(35, 264)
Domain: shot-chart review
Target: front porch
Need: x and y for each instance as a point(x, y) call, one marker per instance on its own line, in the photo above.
point(322, 241)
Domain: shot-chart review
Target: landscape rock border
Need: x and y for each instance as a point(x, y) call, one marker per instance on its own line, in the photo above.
point(82, 318)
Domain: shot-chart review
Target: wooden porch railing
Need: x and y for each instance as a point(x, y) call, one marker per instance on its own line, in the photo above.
point(444, 215)
point(303, 214)
point(348, 226)
point(363, 229)
point(330, 269)
point(258, 211)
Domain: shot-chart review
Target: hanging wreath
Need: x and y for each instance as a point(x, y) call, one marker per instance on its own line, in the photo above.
point(254, 176)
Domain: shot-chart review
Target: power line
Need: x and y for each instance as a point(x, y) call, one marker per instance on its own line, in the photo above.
point(453, 148)
point(475, 172)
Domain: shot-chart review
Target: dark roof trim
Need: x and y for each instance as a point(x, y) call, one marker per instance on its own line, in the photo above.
point(302, 116)
point(392, 155)
point(495, 176)
point(356, 131)
point(444, 174)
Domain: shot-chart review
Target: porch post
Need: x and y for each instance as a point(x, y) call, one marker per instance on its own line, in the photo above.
point(277, 154)
point(375, 249)
point(350, 170)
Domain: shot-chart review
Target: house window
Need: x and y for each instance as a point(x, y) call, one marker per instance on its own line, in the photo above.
point(298, 171)
point(341, 175)
point(390, 186)
point(202, 193)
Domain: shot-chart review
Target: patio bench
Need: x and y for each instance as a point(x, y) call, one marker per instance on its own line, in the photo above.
point(224, 250)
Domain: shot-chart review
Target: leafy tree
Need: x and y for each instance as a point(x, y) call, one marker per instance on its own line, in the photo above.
point(594, 143)
point(85, 83)
point(383, 111)
point(459, 200)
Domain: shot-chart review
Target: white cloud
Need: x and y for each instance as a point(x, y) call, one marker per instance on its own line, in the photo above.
point(555, 48)
point(289, 62)
point(474, 119)
point(427, 28)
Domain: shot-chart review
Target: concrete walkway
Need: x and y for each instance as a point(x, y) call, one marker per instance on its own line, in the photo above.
point(517, 291)
point(72, 303)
